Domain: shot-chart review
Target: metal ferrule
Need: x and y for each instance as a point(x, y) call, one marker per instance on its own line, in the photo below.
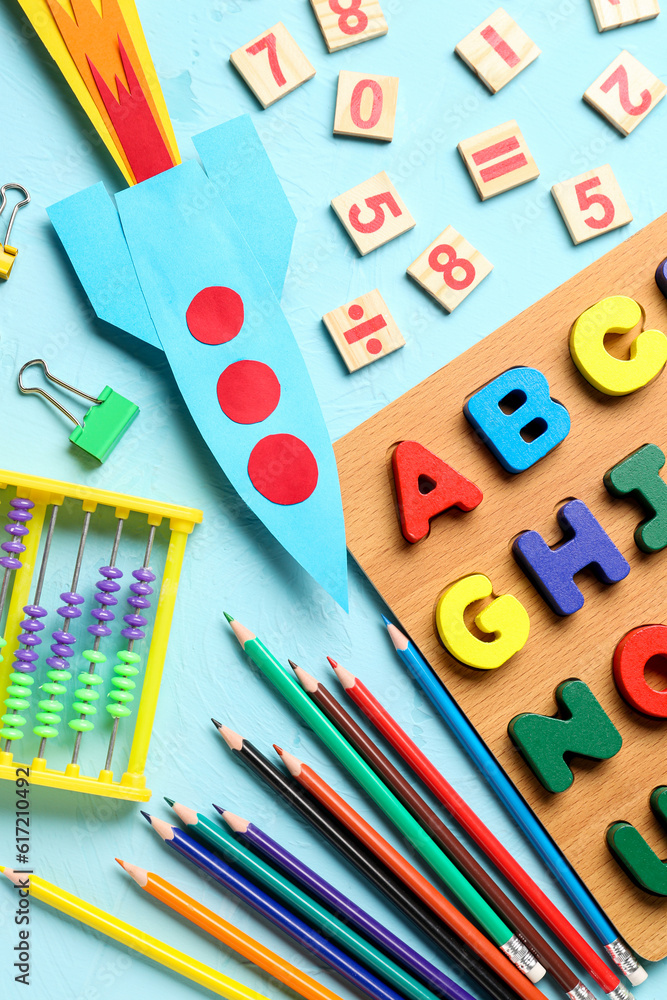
point(580, 992)
point(625, 960)
point(620, 993)
point(519, 954)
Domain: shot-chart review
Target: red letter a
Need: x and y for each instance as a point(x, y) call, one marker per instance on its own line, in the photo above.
point(425, 486)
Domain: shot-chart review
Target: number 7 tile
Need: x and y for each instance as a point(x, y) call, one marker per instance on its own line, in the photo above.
point(372, 213)
point(591, 204)
point(625, 93)
point(272, 64)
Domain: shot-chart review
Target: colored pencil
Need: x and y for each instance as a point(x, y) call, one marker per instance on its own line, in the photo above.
point(132, 937)
point(502, 785)
point(183, 843)
point(488, 919)
point(471, 823)
point(224, 844)
point(398, 864)
point(420, 809)
point(344, 907)
point(234, 938)
point(358, 855)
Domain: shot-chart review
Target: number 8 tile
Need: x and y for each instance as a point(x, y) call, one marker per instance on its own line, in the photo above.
point(372, 213)
point(591, 204)
point(349, 22)
point(450, 268)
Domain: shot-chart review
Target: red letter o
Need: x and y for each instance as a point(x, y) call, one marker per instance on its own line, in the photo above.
point(632, 654)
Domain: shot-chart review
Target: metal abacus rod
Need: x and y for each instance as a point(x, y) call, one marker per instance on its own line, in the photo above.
point(19, 516)
point(127, 668)
point(25, 662)
point(107, 586)
point(49, 707)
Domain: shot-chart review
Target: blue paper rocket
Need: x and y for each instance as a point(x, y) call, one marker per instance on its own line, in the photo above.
point(192, 261)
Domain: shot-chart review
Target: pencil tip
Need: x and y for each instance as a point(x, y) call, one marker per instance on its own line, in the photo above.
point(217, 808)
point(121, 863)
point(228, 616)
point(169, 802)
point(386, 621)
point(332, 663)
point(216, 723)
point(292, 664)
point(146, 816)
point(278, 750)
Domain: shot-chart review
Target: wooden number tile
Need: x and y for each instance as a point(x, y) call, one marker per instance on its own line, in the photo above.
point(363, 330)
point(349, 22)
point(272, 65)
point(372, 213)
point(625, 93)
point(591, 204)
point(497, 50)
point(450, 268)
point(498, 160)
point(366, 105)
point(616, 13)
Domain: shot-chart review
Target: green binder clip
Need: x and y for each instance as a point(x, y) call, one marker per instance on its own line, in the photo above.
point(105, 422)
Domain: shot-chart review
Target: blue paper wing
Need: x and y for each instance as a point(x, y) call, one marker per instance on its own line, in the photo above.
point(207, 250)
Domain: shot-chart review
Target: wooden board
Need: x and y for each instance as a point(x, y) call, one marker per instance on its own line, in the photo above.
point(410, 578)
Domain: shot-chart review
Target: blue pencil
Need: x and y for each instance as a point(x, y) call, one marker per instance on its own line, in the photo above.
point(510, 797)
point(273, 911)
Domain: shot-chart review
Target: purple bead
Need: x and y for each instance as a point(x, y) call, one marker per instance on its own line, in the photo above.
point(134, 621)
point(71, 598)
point(69, 612)
point(143, 574)
point(102, 615)
point(107, 599)
point(9, 563)
point(107, 587)
point(61, 636)
point(132, 633)
point(111, 572)
point(56, 663)
point(25, 657)
point(139, 602)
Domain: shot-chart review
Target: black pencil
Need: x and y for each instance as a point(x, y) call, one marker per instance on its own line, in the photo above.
point(355, 852)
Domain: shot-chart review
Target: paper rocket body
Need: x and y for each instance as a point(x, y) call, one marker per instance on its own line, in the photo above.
point(193, 260)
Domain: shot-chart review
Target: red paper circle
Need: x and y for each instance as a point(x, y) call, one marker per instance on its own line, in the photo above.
point(632, 654)
point(248, 392)
point(215, 315)
point(283, 469)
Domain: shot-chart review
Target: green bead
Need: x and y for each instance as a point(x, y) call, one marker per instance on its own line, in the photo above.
point(23, 680)
point(45, 731)
point(91, 679)
point(53, 688)
point(14, 720)
point(123, 696)
point(118, 711)
point(17, 692)
point(58, 675)
point(48, 718)
point(124, 671)
point(83, 708)
point(50, 705)
point(123, 682)
point(86, 694)
point(19, 703)
point(128, 657)
point(81, 725)
point(11, 734)
point(93, 656)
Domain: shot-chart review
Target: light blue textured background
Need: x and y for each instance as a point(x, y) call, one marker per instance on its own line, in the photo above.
point(48, 145)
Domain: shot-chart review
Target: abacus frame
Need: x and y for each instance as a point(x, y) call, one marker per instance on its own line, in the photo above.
point(44, 492)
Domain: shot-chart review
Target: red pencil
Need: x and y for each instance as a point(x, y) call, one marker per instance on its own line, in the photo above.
point(409, 875)
point(472, 824)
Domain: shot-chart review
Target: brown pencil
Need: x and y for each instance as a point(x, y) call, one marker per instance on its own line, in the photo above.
point(440, 833)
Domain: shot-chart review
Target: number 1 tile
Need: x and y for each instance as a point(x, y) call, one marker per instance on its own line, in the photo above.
point(497, 50)
point(450, 268)
point(272, 65)
point(591, 204)
point(372, 213)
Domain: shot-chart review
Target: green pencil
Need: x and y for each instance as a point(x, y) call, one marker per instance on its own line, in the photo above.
point(488, 919)
point(225, 844)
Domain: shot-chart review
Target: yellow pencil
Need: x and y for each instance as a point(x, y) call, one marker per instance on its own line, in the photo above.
point(159, 951)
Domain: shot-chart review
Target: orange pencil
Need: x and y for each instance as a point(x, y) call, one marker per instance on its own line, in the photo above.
point(235, 939)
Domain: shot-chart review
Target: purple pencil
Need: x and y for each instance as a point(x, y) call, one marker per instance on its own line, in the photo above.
point(341, 906)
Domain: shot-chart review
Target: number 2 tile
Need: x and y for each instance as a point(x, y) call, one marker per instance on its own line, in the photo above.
point(625, 93)
point(372, 213)
point(616, 13)
point(349, 22)
point(498, 160)
point(272, 65)
point(450, 268)
point(366, 105)
point(591, 204)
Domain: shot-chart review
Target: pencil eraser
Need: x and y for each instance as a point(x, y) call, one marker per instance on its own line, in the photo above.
point(536, 973)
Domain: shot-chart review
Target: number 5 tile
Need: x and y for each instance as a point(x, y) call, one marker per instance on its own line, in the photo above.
point(372, 213)
point(591, 204)
point(625, 93)
point(272, 64)
point(450, 268)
